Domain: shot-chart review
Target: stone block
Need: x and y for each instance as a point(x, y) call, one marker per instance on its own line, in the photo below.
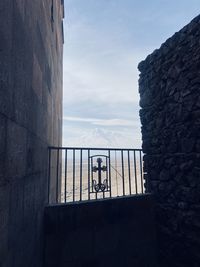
point(4, 218)
point(37, 78)
point(3, 127)
point(16, 154)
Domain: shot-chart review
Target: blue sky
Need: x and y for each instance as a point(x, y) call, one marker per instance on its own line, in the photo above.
point(104, 42)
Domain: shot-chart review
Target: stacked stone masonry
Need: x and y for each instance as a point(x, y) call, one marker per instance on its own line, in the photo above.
point(31, 48)
point(169, 87)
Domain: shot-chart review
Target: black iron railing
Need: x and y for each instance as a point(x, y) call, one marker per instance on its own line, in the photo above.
point(77, 174)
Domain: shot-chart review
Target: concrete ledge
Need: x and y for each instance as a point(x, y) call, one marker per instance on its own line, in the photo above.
point(110, 232)
point(138, 196)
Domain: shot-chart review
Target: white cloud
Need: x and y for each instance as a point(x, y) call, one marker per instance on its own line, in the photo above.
point(113, 81)
point(101, 122)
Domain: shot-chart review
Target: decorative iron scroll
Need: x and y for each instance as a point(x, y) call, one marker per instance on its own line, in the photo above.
point(101, 184)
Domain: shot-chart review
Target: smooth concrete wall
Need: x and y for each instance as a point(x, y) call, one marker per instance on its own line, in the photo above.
point(104, 233)
point(169, 88)
point(31, 45)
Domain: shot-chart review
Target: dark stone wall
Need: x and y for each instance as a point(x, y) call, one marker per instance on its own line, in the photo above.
point(105, 233)
point(169, 87)
point(31, 44)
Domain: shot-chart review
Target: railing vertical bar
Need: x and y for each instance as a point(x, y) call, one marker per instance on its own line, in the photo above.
point(88, 174)
point(135, 169)
point(57, 174)
point(107, 169)
point(74, 174)
point(141, 175)
point(81, 173)
point(116, 174)
point(49, 175)
point(92, 176)
point(110, 174)
point(129, 172)
point(65, 175)
point(106, 176)
point(123, 184)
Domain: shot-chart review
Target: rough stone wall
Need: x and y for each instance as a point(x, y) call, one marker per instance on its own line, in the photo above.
point(31, 45)
point(169, 87)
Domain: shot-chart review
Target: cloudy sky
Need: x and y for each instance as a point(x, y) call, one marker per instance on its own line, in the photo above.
point(104, 42)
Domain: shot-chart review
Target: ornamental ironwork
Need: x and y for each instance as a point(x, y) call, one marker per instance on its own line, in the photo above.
point(100, 184)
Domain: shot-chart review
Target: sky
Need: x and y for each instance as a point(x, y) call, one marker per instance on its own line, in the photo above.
point(104, 42)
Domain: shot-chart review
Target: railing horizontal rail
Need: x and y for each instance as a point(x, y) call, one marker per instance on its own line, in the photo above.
point(93, 148)
point(83, 173)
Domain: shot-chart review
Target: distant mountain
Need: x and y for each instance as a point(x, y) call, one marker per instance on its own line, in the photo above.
point(105, 138)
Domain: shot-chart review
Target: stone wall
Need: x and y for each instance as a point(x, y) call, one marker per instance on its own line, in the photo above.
point(116, 232)
point(169, 87)
point(31, 44)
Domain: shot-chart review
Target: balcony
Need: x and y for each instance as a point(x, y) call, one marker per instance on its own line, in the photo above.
point(79, 174)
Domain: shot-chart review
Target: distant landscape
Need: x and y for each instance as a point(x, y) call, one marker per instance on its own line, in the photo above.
point(132, 183)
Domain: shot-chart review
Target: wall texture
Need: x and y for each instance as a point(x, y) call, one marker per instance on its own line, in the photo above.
point(169, 87)
point(118, 232)
point(31, 45)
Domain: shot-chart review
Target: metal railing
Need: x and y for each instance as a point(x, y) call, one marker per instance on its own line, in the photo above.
point(77, 174)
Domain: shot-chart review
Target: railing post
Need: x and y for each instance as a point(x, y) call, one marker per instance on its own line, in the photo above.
point(65, 175)
point(88, 174)
point(141, 173)
point(49, 175)
point(74, 154)
point(57, 174)
point(110, 174)
point(135, 168)
point(123, 185)
point(81, 174)
point(129, 172)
